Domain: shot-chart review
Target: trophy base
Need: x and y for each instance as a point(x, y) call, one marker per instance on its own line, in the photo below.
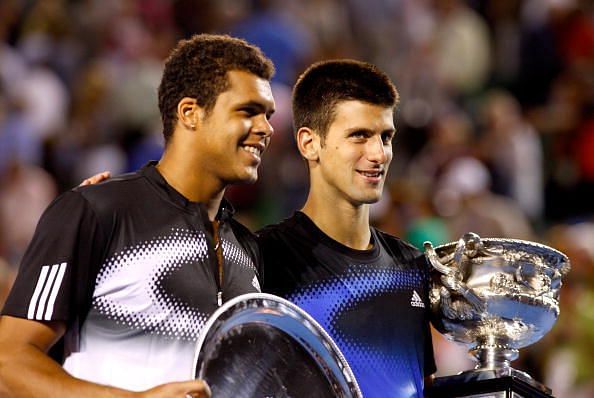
point(495, 383)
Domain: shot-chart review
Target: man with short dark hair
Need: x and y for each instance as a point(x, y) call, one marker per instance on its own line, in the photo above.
point(127, 272)
point(368, 289)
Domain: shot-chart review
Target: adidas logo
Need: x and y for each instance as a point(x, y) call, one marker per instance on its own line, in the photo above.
point(416, 300)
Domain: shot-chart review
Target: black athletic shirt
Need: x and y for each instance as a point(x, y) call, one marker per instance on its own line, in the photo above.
point(373, 303)
point(129, 265)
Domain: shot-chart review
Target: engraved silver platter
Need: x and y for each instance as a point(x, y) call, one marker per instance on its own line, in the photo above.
point(260, 345)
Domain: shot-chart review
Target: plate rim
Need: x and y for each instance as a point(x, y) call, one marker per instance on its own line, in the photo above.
point(267, 296)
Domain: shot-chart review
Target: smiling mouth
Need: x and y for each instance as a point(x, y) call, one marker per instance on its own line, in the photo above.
point(371, 174)
point(257, 152)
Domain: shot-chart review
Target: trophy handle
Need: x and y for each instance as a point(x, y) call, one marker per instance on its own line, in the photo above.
point(434, 260)
point(452, 277)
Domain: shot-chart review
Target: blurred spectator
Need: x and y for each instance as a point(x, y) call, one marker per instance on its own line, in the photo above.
point(503, 18)
point(329, 24)
point(560, 122)
point(464, 199)
point(450, 137)
point(584, 148)
point(462, 47)
point(25, 192)
point(570, 346)
point(18, 140)
point(575, 32)
point(512, 149)
point(282, 38)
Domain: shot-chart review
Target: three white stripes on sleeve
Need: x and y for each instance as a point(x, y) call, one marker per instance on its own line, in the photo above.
point(46, 291)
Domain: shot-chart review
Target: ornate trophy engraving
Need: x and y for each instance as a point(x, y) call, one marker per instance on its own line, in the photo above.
point(496, 296)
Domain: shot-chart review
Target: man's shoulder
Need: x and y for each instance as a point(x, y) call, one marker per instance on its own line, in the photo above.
point(112, 184)
point(396, 246)
point(116, 190)
point(286, 239)
point(279, 231)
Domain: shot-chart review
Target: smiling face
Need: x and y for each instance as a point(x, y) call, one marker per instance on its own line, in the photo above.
point(352, 161)
point(233, 135)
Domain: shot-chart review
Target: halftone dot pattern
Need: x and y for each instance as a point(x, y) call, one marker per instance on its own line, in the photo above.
point(237, 256)
point(328, 300)
point(128, 285)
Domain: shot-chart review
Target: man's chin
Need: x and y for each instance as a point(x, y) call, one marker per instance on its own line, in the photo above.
point(247, 179)
point(371, 201)
point(370, 198)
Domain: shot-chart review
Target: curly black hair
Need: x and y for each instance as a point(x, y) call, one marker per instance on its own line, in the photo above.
point(197, 68)
point(324, 84)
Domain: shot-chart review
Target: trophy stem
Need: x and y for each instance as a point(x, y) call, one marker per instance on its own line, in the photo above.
point(493, 353)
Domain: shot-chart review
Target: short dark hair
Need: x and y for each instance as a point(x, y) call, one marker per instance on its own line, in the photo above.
point(197, 68)
point(324, 84)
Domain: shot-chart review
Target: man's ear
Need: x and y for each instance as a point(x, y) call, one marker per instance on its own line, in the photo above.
point(308, 143)
point(189, 113)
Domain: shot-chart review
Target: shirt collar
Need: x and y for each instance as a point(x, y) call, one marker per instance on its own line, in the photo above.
point(149, 170)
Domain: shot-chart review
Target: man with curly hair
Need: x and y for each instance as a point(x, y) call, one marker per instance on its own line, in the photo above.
point(124, 274)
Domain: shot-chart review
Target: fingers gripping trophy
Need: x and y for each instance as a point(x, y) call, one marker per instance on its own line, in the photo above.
point(496, 296)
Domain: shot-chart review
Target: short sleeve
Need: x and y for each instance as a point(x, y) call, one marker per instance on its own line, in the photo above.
point(57, 274)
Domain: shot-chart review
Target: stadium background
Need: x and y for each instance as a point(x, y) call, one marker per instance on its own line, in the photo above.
point(495, 128)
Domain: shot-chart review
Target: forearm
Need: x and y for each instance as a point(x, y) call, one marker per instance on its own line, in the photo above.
point(28, 372)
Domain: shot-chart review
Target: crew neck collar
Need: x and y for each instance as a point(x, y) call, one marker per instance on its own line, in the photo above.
point(321, 236)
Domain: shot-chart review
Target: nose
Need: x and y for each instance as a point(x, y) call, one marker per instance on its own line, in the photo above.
point(262, 126)
point(377, 152)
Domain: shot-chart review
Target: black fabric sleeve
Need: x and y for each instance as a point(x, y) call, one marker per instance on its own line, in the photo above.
point(57, 274)
point(247, 239)
point(278, 278)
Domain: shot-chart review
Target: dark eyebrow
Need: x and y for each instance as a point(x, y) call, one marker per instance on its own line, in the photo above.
point(257, 106)
point(359, 130)
point(369, 131)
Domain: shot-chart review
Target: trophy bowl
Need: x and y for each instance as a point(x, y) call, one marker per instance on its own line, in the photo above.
point(495, 295)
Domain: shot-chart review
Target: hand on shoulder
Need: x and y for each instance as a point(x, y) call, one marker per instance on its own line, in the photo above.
point(97, 178)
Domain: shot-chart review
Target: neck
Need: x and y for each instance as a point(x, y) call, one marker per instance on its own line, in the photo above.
point(188, 179)
point(343, 222)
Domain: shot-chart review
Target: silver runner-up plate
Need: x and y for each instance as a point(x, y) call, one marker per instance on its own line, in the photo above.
point(260, 345)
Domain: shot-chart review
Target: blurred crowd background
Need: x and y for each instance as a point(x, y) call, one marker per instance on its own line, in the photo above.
point(495, 127)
